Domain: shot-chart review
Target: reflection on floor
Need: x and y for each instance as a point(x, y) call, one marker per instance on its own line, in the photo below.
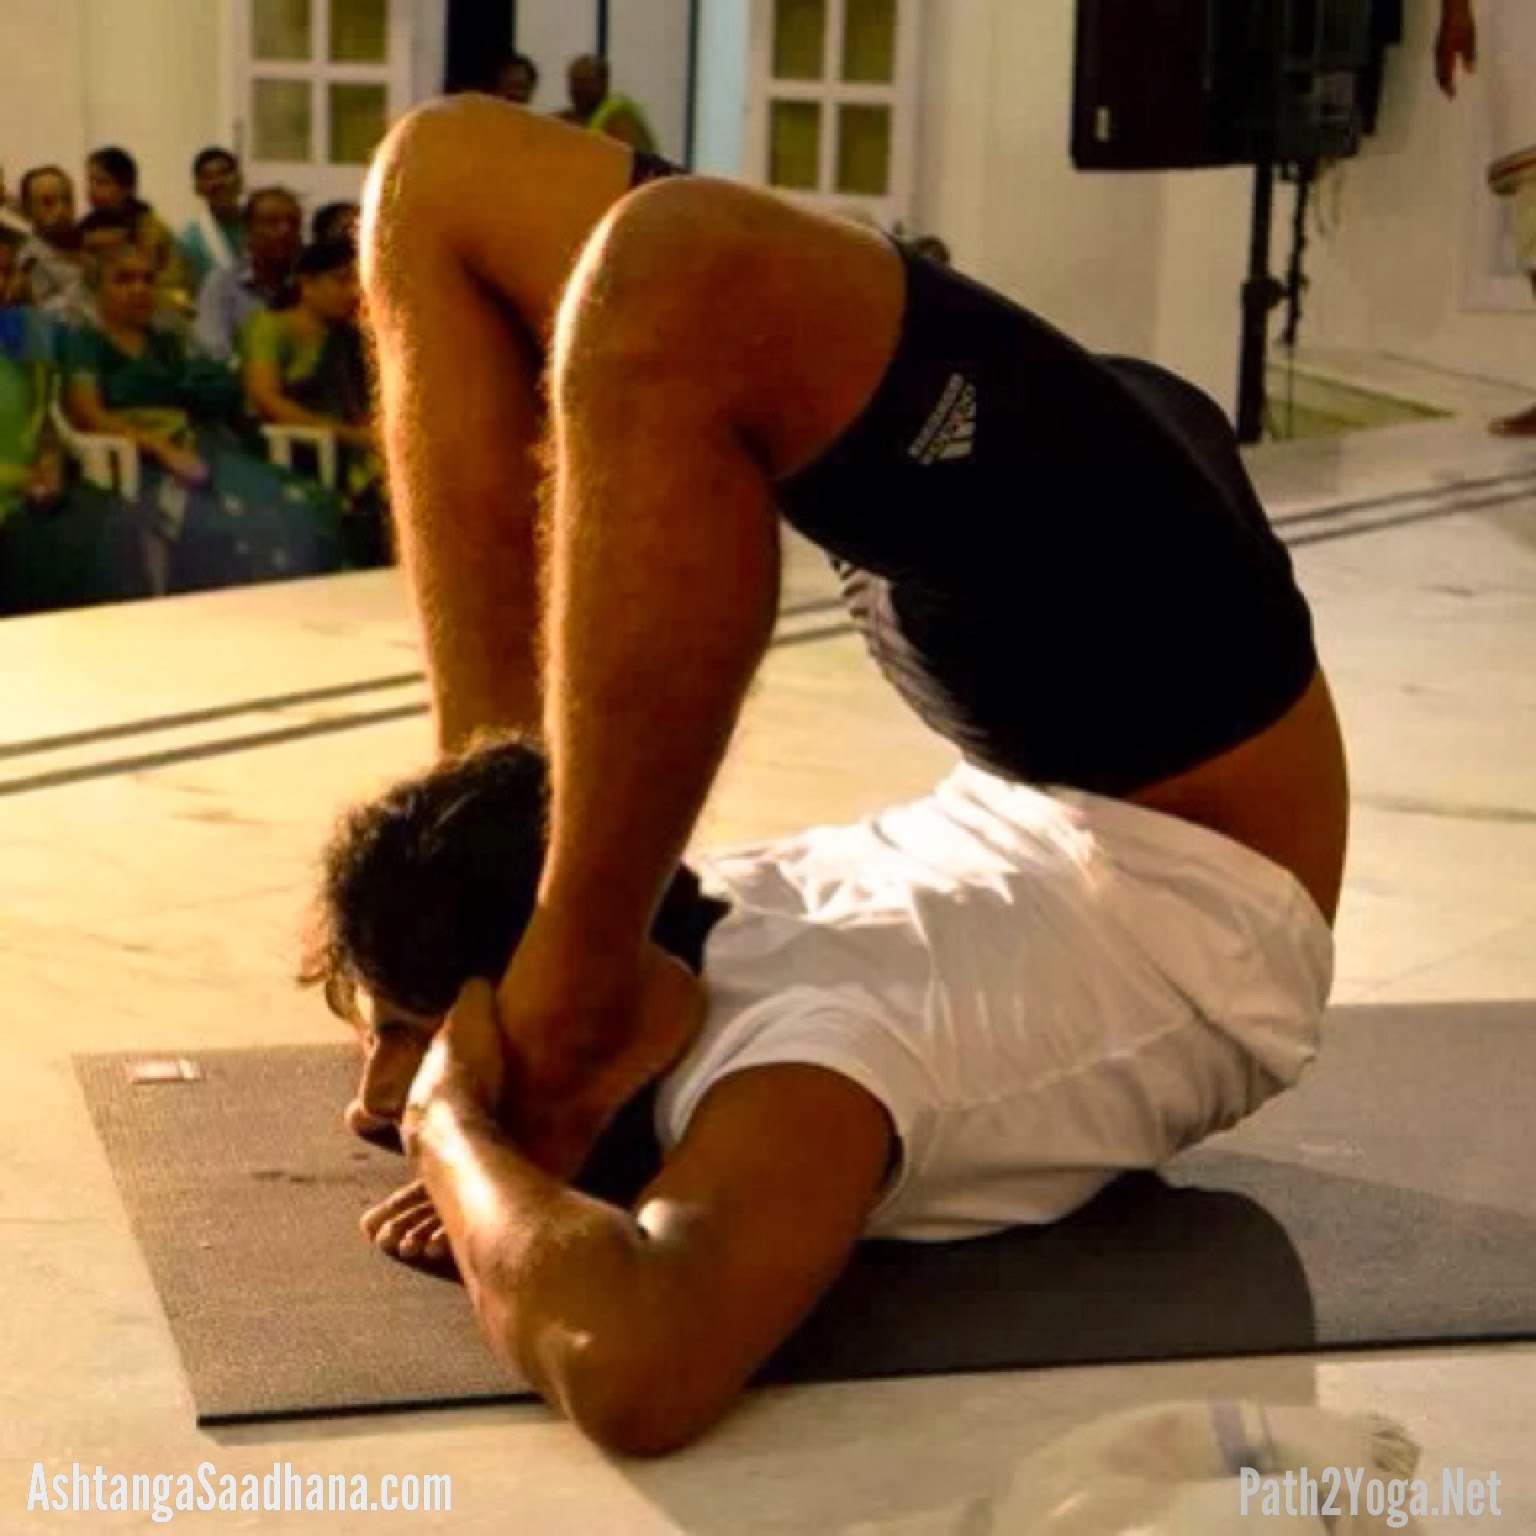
point(170, 771)
point(1318, 398)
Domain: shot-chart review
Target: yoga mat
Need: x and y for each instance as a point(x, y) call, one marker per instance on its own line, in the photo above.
point(1388, 1200)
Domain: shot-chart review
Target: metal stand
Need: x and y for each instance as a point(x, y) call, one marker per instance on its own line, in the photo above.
point(1261, 294)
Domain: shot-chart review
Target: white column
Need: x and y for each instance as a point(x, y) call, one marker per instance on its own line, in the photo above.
point(725, 41)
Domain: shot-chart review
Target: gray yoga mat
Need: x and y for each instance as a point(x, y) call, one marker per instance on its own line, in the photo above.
point(1386, 1201)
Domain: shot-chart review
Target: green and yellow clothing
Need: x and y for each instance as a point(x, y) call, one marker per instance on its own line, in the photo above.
point(78, 548)
point(324, 371)
point(251, 521)
point(618, 105)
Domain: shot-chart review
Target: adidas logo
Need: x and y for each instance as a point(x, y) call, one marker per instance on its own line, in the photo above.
point(950, 433)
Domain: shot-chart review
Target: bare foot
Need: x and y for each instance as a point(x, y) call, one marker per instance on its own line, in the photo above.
point(1523, 425)
point(582, 1052)
point(407, 1227)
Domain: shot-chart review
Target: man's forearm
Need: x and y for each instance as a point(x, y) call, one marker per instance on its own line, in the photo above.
point(555, 1277)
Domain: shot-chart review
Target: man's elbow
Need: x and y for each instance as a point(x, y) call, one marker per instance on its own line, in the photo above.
point(644, 1417)
point(633, 1402)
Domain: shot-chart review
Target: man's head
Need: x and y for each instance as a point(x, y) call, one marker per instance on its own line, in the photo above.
point(516, 79)
point(48, 200)
point(217, 181)
point(274, 229)
point(588, 82)
point(112, 180)
point(336, 221)
point(430, 886)
point(105, 230)
point(933, 249)
point(327, 276)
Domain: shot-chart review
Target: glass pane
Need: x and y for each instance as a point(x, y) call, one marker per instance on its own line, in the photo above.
point(359, 32)
point(799, 39)
point(869, 42)
point(284, 116)
point(864, 151)
point(282, 29)
point(794, 149)
point(359, 116)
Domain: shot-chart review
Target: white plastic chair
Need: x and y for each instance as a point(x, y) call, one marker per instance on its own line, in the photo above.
point(281, 441)
point(110, 462)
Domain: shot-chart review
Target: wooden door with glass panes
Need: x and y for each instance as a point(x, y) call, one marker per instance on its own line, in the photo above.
point(316, 84)
point(833, 102)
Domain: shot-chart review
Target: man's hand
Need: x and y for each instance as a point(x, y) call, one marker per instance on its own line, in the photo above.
point(584, 1033)
point(1455, 44)
point(180, 462)
point(465, 1064)
point(407, 1227)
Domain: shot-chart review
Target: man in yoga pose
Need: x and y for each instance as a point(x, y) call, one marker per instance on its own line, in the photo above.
point(963, 1014)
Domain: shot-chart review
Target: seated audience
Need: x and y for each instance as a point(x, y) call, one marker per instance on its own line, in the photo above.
point(113, 187)
point(51, 259)
point(515, 78)
point(595, 105)
point(220, 514)
point(215, 239)
point(336, 221)
point(63, 543)
point(11, 216)
point(95, 235)
point(933, 248)
point(274, 225)
point(305, 366)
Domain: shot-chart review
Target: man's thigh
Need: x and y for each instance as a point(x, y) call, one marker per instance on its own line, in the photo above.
point(1057, 559)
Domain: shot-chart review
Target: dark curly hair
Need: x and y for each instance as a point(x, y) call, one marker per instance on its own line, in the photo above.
point(432, 883)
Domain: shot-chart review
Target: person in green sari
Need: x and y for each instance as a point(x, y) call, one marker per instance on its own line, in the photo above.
point(63, 543)
point(305, 366)
point(222, 516)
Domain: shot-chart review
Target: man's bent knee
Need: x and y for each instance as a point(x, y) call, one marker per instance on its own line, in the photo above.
point(430, 163)
point(673, 279)
point(510, 194)
point(784, 318)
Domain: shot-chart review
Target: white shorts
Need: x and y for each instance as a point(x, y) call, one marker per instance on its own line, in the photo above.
point(1212, 979)
point(1044, 990)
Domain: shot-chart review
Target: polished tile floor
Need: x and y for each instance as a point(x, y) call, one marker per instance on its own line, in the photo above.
point(166, 776)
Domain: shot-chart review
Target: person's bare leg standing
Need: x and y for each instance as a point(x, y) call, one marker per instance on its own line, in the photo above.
point(463, 270)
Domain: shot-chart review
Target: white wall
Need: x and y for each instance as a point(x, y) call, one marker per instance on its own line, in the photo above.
point(552, 33)
point(1154, 263)
point(1389, 277)
point(995, 176)
point(1392, 278)
point(42, 115)
point(150, 75)
point(1207, 221)
point(648, 48)
point(154, 82)
point(720, 140)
